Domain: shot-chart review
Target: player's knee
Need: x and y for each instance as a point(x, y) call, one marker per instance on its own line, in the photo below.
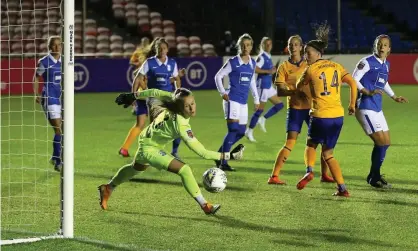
point(379, 138)
point(327, 154)
point(57, 131)
point(290, 143)
point(241, 129)
point(387, 138)
point(139, 167)
point(310, 143)
point(140, 125)
point(185, 170)
point(292, 135)
point(233, 126)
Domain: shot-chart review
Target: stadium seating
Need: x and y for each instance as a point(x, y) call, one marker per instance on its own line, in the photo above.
point(358, 30)
point(146, 21)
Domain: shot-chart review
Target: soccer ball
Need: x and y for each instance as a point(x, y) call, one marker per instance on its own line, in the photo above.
point(214, 180)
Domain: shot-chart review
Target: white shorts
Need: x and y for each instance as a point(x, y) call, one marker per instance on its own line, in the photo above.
point(236, 111)
point(266, 94)
point(52, 111)
point(372, 121)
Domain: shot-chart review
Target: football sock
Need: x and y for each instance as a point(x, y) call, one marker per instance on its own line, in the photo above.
point(229, 139)
point(273, 110)
point(282, 156)
point(133, 133)
point(201, 200)
point(189, 182)
point(240, 133)
point(341, 187)
point(254, 118)
point(310, 155)
point(324, 167)
point(56, 144)
point(176, 144)
point(335, 169)
point(124, 174)
point(378, 156)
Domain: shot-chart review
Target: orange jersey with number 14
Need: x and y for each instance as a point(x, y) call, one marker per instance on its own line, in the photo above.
point(324, 80)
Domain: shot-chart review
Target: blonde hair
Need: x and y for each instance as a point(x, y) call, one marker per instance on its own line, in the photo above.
point(298, 37)
point(241, 40)
point(322, 32)
point(377, 39)
point(151, 49)
point(263, 43)
point(158, 44)
point(51, 41)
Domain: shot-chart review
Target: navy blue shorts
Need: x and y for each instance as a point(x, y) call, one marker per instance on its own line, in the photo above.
point(141, 107)
point(325, 131)
point(295, 119)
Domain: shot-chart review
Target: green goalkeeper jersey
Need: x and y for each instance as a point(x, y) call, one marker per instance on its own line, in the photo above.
point(168, 126)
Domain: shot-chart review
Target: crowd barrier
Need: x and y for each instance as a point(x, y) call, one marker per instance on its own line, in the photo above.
point(115, 75)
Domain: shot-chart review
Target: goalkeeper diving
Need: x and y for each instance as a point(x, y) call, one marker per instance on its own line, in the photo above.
point(172, 114)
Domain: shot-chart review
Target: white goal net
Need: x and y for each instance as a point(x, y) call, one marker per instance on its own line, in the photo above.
point(34, 196)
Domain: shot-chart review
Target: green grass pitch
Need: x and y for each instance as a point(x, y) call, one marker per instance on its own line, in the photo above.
point(154, 212)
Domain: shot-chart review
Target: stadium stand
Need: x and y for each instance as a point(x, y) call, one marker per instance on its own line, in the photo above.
point(114, 27)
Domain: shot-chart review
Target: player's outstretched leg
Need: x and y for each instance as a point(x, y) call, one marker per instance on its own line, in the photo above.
point(191, 186)
point(124, 174)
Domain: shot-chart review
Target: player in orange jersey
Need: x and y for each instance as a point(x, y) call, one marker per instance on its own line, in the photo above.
point(297, 108)
point(323, 80)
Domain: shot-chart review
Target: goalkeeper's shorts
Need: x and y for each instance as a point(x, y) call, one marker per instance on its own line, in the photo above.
point(154, 156)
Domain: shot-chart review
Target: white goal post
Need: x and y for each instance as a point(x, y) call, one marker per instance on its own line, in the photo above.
point(46, 184)
point(68, 130)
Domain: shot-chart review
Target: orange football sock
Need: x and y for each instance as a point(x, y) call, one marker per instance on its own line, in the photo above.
point(310, 155)
point(324, 167)
point(335, 169)
point(282, 156)
point(133, 133)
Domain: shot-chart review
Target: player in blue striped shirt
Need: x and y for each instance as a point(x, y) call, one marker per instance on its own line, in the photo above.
point(265, 70)
point(241, 72)
point(371, 75)
point(49, 72)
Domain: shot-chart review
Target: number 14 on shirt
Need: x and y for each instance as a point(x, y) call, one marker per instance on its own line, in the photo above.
point(334, 83)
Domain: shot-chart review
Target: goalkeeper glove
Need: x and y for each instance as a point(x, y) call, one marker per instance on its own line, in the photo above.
point(236, 153)
point(125, 99)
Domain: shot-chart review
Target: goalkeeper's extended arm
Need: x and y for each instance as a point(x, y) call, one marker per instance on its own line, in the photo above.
point(126, 99)
point(191, 141)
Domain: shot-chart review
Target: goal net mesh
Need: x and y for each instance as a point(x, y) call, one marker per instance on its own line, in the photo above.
point(30, 187)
